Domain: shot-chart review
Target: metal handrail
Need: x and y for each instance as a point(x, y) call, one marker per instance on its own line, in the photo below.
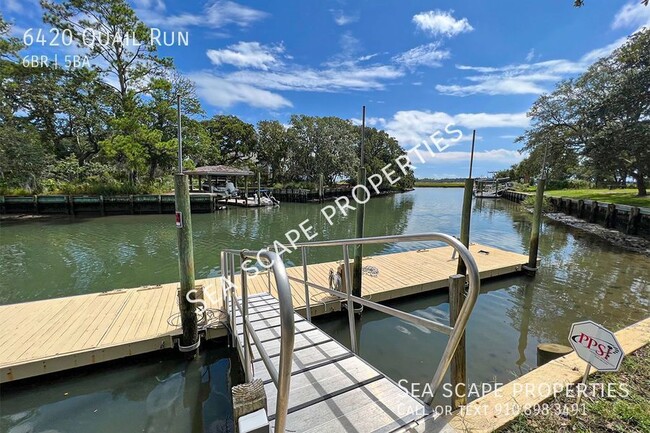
point(455, 333)
point(281, 377)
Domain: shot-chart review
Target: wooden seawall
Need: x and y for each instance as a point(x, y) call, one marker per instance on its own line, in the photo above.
point(626, 219)
point(103, 205)
point(52, 335)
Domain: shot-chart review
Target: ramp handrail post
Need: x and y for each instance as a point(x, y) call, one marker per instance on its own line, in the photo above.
point(457, 331)
point(282, 376)
point(458, 367)
point(224, 300)
point(348, 291)
point(303, 251)
point(248, 373)
point(233, 295)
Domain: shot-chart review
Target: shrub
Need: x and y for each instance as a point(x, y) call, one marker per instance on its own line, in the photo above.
point(530, 203)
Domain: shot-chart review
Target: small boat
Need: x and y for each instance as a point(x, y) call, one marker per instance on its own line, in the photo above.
point(265, 199)
point(491, 188)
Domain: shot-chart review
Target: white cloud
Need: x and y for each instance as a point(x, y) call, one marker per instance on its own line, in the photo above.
point(424, 55)
point(531, 55)
point(411, 127)
point(526, 78)
point(349, 76)
point(504, 156)
point(341, 19)
point(158, 5)
point(12, 6)
point(633, 14)
point(267, 69)
point(377, 122)
point(247, 54)
point(216, 14)
point(220, 92)
point(441, 23)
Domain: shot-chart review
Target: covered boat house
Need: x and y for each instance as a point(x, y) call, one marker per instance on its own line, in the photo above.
point(215, 178)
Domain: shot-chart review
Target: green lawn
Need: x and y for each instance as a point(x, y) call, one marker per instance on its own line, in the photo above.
point(618, 196)
point(599, 413)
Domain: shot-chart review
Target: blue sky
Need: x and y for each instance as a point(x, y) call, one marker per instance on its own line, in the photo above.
point(416, 65)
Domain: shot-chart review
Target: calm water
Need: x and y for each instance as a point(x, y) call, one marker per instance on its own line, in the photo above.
point(581, 278)
point(165, 394)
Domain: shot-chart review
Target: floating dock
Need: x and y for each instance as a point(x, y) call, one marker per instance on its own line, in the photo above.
point(52, 335)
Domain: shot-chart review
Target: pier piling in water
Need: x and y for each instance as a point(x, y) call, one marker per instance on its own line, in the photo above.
point(189, 342)
point(190, 338)
point(465, 221)
point(458, 366)
point(534, 232)
point(467, 209)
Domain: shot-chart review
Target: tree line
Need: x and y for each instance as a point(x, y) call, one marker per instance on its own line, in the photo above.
point(594, 130)
point(112, 127)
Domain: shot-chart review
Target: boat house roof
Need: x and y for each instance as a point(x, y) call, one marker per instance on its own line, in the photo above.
point(218, 170)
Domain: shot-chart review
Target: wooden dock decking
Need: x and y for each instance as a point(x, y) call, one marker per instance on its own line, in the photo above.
point(331, 389)
point(58, 334)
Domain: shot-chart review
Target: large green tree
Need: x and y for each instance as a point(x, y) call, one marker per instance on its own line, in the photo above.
point(322, 145)
point(273, 148)
point(233, 141)
point(597, 126)
point(111, 33)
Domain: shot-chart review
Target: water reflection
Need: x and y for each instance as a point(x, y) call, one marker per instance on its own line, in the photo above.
point(581, 277)
point(156, 394)
point(63, 257)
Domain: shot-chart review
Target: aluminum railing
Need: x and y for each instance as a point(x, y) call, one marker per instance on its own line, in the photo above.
point(281, 377)
point(455, 333)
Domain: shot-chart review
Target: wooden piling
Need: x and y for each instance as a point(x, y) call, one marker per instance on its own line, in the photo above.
point(534, 232)
point(610, 216)
point(633, 221)
point(321, 197)
point(246, 192)
point(593, 214)
point(547, 352)
point(458, 366)
point(465, 222)
point(581, 208)
point(190, 335)
point(259, 188)
point(569, 206)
